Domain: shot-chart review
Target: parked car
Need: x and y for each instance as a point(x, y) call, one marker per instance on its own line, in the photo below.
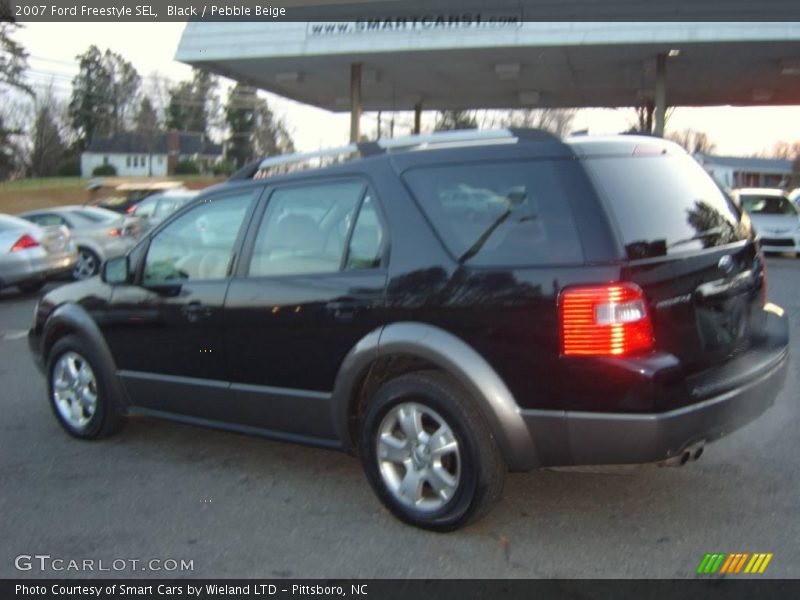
point(157, 207)
point(119, 195)
point(29, 255)
point(613, 312)
point(794, 197)
point(774, 217)
point(99, 234)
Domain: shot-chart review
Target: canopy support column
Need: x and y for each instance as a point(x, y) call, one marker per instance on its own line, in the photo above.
point(417, 117)
point(660, 95)
point(355, 102)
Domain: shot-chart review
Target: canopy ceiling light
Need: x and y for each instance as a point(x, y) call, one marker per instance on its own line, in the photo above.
point(289, 77)
point(505, 71)
point(529, 97)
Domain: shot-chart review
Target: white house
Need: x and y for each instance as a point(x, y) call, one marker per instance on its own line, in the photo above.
point(135, 155)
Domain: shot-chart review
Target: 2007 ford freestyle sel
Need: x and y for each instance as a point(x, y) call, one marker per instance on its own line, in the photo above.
point(448, 307)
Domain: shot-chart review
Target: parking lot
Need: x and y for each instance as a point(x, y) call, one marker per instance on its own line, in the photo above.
point(239, 506)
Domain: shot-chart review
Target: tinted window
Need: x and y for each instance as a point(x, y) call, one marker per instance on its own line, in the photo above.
point(664, 204)
point(366, 243)
point(500, 214)
point(305, 228)
point(199, 244)
point(767, 205)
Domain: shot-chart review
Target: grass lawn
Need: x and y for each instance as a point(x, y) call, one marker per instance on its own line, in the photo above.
point(29, 194)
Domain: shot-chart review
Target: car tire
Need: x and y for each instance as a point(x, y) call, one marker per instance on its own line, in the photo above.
point(87, 266)
point(31, 287)
point(81, 398)
point(451, 473)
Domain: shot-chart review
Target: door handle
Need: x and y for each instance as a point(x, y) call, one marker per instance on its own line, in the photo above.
point(347, 308)
point(195, 311)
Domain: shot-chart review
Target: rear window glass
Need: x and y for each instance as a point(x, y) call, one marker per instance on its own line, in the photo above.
point(767, 205)
point(499, 214)
point(665, 204)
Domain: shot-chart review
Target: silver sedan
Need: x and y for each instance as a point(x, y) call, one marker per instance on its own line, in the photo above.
point(99, 234)
point(29, 255)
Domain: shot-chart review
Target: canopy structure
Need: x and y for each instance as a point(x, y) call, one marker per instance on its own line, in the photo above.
point(434, 57)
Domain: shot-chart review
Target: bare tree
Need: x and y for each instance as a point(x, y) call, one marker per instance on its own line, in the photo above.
point(785, 150)
point(693, 141)
point(555, 120)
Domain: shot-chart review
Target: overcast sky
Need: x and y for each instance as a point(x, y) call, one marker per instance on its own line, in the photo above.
point(151, 48)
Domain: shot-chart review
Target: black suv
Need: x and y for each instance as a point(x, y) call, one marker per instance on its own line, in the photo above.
point(448, 307)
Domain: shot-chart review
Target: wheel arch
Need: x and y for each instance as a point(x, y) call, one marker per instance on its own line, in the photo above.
point(72, 319)
point(410, 346)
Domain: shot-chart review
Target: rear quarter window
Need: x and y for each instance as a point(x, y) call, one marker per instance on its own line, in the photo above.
point(500, 214)
point(664, 204)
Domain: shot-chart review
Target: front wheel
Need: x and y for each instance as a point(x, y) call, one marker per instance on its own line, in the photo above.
point(80, 395)
point(429, 454)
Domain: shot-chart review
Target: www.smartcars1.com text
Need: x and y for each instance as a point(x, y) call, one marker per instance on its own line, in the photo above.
point(148, 10)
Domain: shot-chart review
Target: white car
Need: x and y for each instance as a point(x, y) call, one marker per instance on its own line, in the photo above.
point(774, 216)
point(794, 196)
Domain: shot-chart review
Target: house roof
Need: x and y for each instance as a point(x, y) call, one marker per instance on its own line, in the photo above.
point(134, 143)
point(739, 163)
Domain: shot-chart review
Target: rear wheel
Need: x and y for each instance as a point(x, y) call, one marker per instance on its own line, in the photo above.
point(80, 396)
point(429, 454)
point(88, 264)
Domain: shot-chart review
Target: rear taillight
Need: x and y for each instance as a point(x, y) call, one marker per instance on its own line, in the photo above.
point(604, 320)
point(116, 232)
point(24, 242)
point(131, 209)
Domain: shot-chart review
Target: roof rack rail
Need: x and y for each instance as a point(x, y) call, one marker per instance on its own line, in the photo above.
point(454, 139)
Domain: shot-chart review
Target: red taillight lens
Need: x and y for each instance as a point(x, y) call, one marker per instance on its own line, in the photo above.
point(604, 320)
point(131, 209)
point(25, 241)
point(116, 232)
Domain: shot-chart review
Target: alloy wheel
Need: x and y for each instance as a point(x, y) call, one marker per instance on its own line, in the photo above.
point(86, 266)
point(419, 456)
point(74, 389)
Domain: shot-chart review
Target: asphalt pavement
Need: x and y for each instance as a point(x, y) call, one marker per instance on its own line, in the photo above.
point(238, 506)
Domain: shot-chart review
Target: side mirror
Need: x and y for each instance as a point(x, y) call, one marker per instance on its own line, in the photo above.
point(116, 270)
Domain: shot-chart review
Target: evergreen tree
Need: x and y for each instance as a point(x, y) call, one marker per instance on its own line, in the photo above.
point(48, 147)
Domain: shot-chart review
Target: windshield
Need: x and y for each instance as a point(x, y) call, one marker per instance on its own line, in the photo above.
point(767, 205)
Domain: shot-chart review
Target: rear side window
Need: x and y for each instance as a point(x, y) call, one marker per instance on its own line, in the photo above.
point(500, 214)
point(305, 229)
point(664, 204)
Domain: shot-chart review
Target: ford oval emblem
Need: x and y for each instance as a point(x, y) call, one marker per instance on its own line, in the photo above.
point(725, 264)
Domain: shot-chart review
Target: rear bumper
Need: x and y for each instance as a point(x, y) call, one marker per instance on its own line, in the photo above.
point(565, 438)
point(37, 267)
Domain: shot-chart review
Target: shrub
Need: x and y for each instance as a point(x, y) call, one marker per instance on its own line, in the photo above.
point(226, 168)
point(69, 168)
point(187, 167)
point(104, 170)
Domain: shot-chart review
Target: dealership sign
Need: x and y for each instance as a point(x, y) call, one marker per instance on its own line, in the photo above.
point(439, 22)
